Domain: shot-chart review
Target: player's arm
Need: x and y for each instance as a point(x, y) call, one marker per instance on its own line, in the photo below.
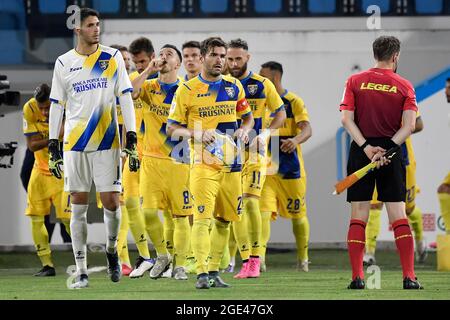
point(153, 67)
point(289, 145)
point(419, 125)
point(407, 128)
point(36, 142)
point(276, 106)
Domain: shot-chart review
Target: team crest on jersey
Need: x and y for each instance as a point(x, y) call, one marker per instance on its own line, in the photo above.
point(201, 209)
point(252, 88)
point(103, 64)
point(230, 91)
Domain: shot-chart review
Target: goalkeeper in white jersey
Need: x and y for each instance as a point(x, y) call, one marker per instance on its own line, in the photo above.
point(86, 81)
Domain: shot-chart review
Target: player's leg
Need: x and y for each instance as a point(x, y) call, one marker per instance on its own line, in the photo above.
point(108, 181)
point(77, 181)
point(169, 228)
point(181, 204)
point(136, 220)
point(268, 205)
point(190, 260)
point(204, 185)
point(228, 208)
point(232, 249)
point(254, 177)
point(152, 191)
point(122, 247)
point(372, 229)
point(444, 202)
point(291, 194)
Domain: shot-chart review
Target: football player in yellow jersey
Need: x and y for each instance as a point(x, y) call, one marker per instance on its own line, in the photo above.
point(191, 59)
point(193, 65)
point(285, 187)
point(165, 163)
point(206, 109)
point(262, 98)
point(444, 189)
point(142, 53)
point(413, 212)
point(43, 188)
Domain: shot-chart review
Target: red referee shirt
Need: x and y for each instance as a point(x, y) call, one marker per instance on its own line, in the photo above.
point(378, 98)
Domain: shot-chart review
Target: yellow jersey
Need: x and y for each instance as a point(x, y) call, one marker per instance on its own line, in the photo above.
point(157, 97)
point(288, 165)
point(408, 151)
point(202, 104)
point(34, 123)
point(262, 96)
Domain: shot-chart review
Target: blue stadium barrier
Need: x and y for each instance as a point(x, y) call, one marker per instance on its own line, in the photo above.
point(322, 6)
point(160, 7)
point(429, 6)
point(12, 15)
point(213, 6)
point(267, 6)
point(52, 6)
point(106, 6)
point(15, 43)
point(424, 90)
point(383, 4)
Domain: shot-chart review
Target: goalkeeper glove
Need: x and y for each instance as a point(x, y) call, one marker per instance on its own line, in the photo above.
point(131, 151)
point(55, 160)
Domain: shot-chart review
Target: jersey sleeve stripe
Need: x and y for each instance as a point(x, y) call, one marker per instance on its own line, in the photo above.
point(127, 90)
point(61, 62)
point(31, 133)
point(246, 114)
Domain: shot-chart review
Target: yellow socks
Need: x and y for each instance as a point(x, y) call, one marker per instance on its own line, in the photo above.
point(219, 239)
point(40, 238)
point(265, 231)
point(241, 236)
point(416, 222)
point(137, 226)
point(155, 230)
point(201, 244)
point(181, 240)
point(444, 201)
point(254, 225)
point(122, 247)
point(372, 230)
point(169, 228)
point(300, 227)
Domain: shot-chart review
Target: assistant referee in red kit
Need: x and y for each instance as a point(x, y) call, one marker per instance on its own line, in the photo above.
point(379, 112)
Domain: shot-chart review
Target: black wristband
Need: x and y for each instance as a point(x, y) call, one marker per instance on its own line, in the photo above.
point(392, 144)
point(53, 145)
point(365, 144)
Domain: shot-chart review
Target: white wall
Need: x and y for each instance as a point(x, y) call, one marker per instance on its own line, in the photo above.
point(317, 55)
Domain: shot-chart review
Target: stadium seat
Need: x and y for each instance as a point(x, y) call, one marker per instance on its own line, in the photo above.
point(267, 6)
point(322, 6)
point(158, 6)
point(429, 6)
point(106, 6)
point(383, 4)
point(213, 6)
point(52, 6)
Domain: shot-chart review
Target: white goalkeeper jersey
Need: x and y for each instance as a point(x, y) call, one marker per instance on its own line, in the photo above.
point(87, 87)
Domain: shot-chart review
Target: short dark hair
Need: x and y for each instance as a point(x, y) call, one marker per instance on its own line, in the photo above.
point(171, 46)
point(42, 93)
point(273, 66)
point(87, 12)
point(191, 44)
point(142, 44)
point(238, 43)
point(385, 47)
point(210, 43)
point(448, 79)
point(119, 47)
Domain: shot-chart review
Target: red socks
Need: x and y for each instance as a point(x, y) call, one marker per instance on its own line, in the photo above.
point(405, 246)
point(356, 241)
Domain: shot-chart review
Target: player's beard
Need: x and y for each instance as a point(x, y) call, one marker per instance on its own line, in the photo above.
point(237, 73)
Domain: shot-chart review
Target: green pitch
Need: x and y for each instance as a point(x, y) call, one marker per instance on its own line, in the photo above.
point(328, 278)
